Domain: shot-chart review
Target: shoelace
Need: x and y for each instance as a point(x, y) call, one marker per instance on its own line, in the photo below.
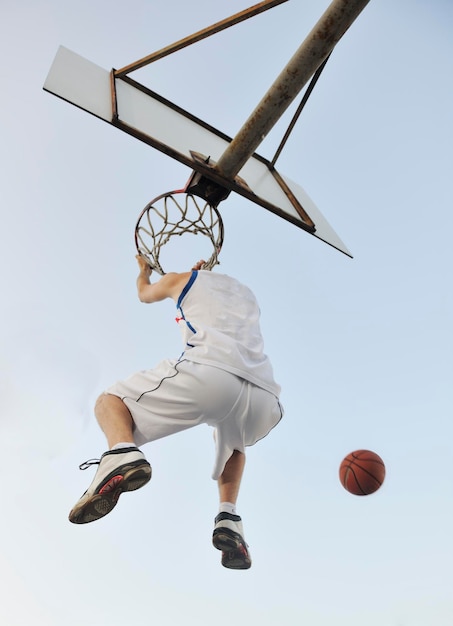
point(89, 463)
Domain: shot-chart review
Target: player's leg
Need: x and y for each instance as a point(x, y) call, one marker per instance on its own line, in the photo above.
point(228, 535)
point(152, 409)
point(229, 482)
point(115, 420)
point(262, 411)
point(122, 468)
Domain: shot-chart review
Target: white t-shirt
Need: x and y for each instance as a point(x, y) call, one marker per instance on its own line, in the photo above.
point(219, 320)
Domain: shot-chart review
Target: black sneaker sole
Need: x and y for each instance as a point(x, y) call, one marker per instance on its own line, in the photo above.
point(237, 559)
point(234, 550)
point(100, 504)
point(225, 539)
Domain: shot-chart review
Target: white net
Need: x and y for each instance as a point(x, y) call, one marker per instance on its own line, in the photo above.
point(174, 214)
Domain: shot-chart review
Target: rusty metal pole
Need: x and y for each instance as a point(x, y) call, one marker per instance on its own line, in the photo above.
point(314, 50)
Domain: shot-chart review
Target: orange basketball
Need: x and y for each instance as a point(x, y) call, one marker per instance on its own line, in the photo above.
point(362, 472)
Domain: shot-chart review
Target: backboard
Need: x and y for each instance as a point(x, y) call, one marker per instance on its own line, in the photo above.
point(144, 114)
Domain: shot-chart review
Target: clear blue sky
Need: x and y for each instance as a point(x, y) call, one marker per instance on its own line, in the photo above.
point(362, 348)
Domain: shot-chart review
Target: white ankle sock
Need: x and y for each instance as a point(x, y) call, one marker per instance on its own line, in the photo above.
point(123, 444)
point(227, 507)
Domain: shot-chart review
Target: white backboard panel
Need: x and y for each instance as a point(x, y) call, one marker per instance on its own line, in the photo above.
point(144, 114)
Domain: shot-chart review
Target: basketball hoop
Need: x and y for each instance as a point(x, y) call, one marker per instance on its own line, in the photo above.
point(173, 214)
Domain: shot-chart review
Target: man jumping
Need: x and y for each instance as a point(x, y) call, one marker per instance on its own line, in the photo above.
point(223, 379)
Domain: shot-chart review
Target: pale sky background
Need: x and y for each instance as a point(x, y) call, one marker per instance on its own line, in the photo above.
point(362, 348)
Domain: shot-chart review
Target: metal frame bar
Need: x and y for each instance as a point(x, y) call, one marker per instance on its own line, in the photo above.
point(198, 36)
point(296, 115)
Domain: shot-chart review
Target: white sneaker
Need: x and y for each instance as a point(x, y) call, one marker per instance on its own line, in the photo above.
point(228, 536)
point(125, 469)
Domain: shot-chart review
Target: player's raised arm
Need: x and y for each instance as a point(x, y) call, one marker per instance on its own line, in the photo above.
point(169, 286)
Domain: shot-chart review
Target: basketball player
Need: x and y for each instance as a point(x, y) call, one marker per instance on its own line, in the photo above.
point(222, 379)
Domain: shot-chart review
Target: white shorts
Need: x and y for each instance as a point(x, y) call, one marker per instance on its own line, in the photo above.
point(177, 395)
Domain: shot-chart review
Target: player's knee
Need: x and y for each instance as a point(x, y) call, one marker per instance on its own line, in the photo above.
point(100, 403)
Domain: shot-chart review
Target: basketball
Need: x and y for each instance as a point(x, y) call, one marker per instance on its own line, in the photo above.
point(362, 472)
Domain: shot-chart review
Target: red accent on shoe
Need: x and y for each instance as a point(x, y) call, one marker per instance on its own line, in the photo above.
point(112, 484)
point(243, 550)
